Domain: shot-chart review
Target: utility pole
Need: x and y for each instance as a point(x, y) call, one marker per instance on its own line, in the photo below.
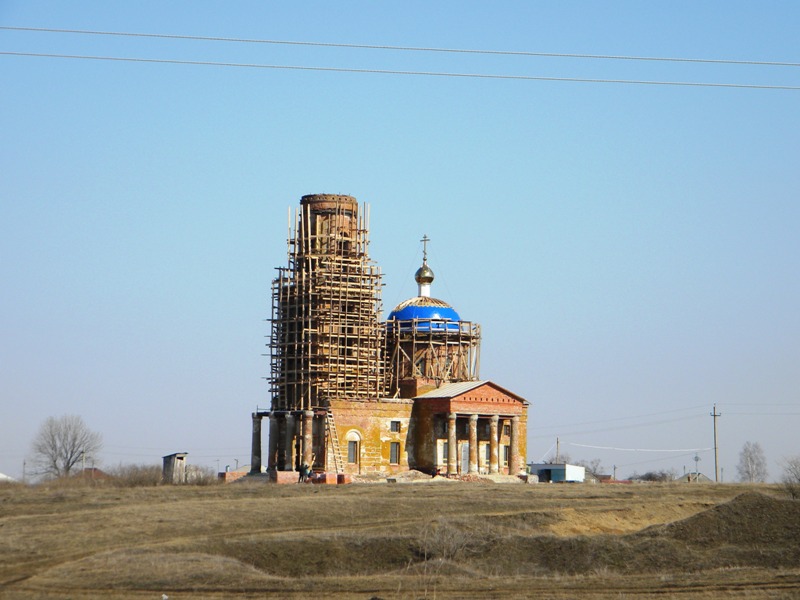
point(556, 451)
point(715, 414)
point(615, 472)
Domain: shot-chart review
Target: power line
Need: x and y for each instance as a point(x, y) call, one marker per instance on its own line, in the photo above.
point(640, 449)
point(148, 454)
point(622, 418)
point(397, 72)
point(761, 404)
point(407, 48)
point(606, 429)
point(159, 454)
point(643, 462)
point(161, 448)
point(766, 414)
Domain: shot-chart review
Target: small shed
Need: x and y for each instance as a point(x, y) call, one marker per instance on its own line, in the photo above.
point(174, 469)
point(558, 472)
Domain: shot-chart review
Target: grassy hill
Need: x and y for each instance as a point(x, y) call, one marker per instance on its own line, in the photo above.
point(405, 540)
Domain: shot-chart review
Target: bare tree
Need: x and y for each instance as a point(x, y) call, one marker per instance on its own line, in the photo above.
point(594, 466)
point(791, 477)
point(561, 458)
point(752, 466)
point(61, 443)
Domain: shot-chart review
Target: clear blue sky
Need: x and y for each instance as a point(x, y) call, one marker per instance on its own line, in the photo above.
point(631, 251)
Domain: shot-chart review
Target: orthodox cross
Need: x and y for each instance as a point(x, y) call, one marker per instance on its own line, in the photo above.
point(425, 239)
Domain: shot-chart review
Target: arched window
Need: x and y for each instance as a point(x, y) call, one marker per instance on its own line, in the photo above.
point(353, 447)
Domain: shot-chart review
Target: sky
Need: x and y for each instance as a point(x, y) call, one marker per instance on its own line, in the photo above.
point(630, 250)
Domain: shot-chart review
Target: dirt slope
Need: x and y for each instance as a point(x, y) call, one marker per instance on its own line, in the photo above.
point(399, 541)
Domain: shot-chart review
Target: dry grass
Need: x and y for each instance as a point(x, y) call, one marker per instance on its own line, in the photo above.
point(422, 540)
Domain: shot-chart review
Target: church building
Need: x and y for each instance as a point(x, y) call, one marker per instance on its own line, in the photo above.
point(352, 394)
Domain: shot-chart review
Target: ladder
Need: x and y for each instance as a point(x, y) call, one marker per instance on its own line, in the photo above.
point(333, 440)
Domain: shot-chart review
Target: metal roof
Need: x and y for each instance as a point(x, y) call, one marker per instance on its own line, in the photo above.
point(450, 390)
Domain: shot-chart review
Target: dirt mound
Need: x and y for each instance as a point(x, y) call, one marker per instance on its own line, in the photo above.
point(470, 478)
point(344, 553)
point(752, 529)
point(411, 476)
point(749, 519)
point(581, 554)
point(153, 570)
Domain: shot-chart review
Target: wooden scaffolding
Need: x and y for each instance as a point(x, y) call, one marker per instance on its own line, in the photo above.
point(326, 340)
point(435, 349)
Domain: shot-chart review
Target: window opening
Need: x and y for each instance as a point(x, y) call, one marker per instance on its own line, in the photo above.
point(352, 452)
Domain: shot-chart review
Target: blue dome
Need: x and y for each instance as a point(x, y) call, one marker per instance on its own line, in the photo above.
point(426, 309)
point(425, 312)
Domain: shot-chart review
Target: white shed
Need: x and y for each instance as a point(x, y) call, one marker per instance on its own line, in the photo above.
point(558, 473)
